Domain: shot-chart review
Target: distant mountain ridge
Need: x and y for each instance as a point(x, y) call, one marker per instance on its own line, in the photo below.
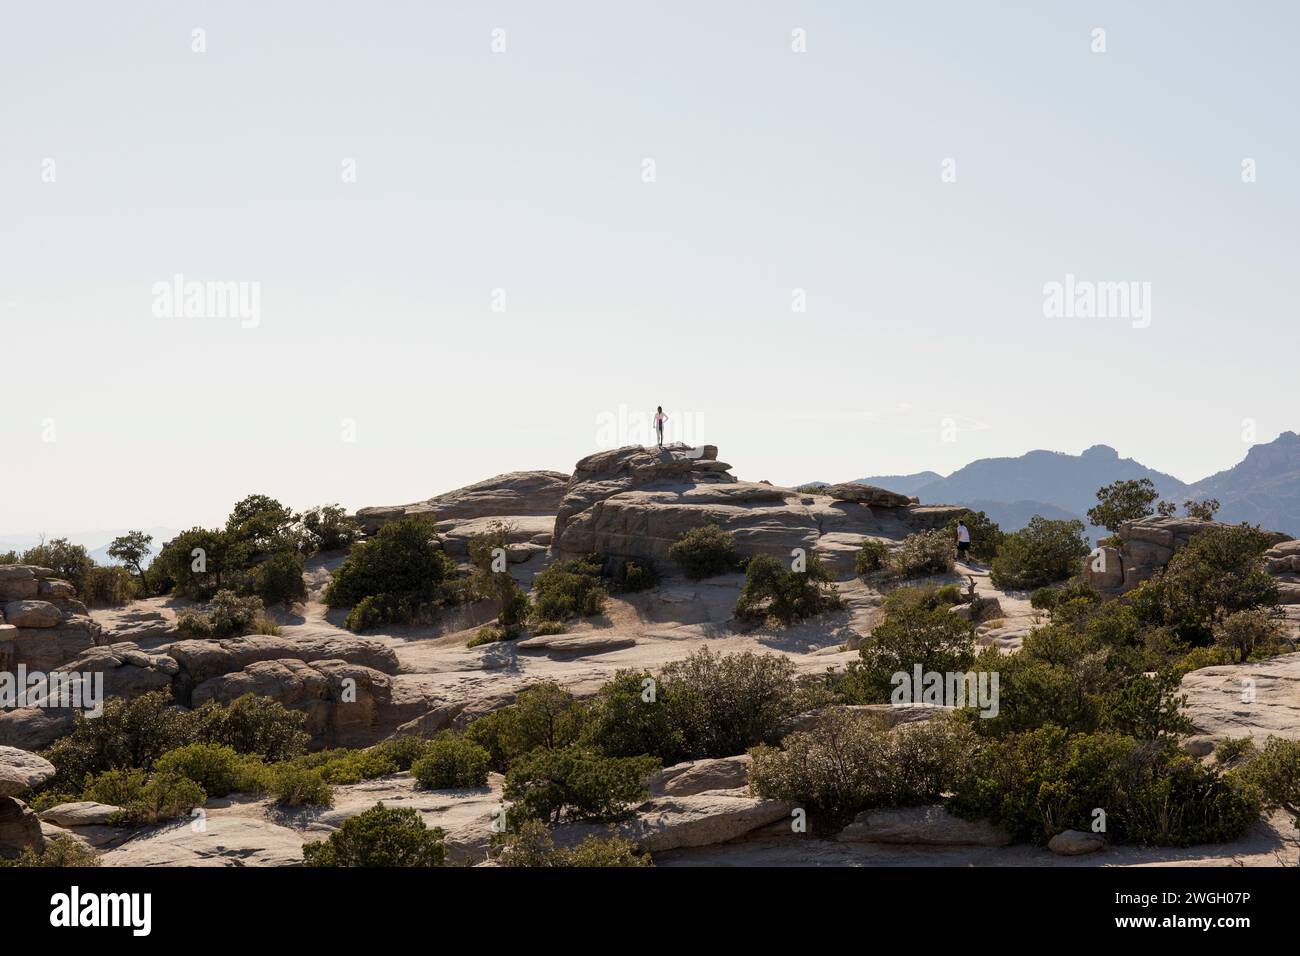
point(1263, 488)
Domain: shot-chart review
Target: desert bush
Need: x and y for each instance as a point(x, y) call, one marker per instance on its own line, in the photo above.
point(545, 715)
point(1199, 657)
point(403, 751)
point(1241, 633)
point(721, 704)
point(343, 765)
point(705, 551)
point(220, 560)
point(576, 784)
point(218, 769)
point(985, 535)
point(70, 562)
point(227, 615)
point(568, 589)
point(923, 553)
point(628, 717)
point(1039, 783)
point(110, 586)
point(912, 633)
point(849, 762)
point(1202, 510)
point(380, 837)
point(397, 577)
point(329, 528)
point(1145, 707)
point(544, 628)
point(492, 634)
point(1051, 597)
point(253, 724)
point(1041, 553)
point(872, 556)
point(629, 576)
point(530, 845)
point(1273, 772)
point(278, 579)
point(61, 852)
point(293, 785)
point(144, 798)
point(773, 592)
point(451, 762)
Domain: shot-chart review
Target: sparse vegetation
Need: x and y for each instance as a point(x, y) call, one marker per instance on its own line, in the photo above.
point(705, 551)
point(872, 556)
point(452, 761)
point(773, 592)
point(1042, 553)
point(380, 837)
point(923, 553)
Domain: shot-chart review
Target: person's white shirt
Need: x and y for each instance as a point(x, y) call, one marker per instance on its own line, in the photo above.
point(963, 534)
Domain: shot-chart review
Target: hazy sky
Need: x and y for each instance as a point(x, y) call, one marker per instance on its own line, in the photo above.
point(518, 178)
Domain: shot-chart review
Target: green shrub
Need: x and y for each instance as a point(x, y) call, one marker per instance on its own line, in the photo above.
point(61, 852)
point(1041, 553)
point(278, 579)
point(705, 551)
point(69, 562)
point(1037, 784)
point(199, 562)
point(923, 553)
point(109, 587)
point(1122, 501)
point(872, 556)
point(912, 633)
point(721, 704)
point(142, 798)
point(227, 615)
point(218, 769)
point(452, 762)
point(628, 717)
point(1199, 657)
point(342, 765)
point(849, 762)
point(1242, 633)
point(576, 784)
point(253, 724)
point(531, 845)
point(568, 589)
point(492, 634)
point(403, 751)
point(985, 535)
point(630, 576)
point(329, 528)
point(544, 628)
point(1274, 773)
point(776, 593)
point(295, 786)
point(397, 577)
point(380, 837)
point(545, 715)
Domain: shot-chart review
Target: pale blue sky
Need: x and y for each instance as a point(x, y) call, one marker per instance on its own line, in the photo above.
point(522, 171)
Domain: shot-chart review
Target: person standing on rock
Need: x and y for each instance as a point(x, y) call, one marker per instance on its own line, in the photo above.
point(660, 418)
point(963, 540)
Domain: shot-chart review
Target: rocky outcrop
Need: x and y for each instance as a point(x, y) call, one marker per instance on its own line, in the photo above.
point(223, 840)
point(201, 660)
point(576, 644)
point(1075, 843)
point(635, 502)
point(699, 776)
point(80, 813)
point(1148, 543)
point(921, 826)
point(515, 493)
point(42, 624)
point(20, 828)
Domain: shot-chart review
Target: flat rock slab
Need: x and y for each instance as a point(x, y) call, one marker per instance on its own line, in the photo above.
point(702, 819)
point(576, 644)
point(1076, 843)
point(1271, 687)
point(21, 770)
point(921, 826)
point(699, 776)
point(225, 840)
point(81, 813)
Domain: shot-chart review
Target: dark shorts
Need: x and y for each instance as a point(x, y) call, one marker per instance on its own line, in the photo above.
point(963, 547)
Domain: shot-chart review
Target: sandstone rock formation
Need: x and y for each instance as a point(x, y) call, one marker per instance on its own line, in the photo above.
point(515, 493)
point(921, 826)
point(20, 828)
point(42, 624)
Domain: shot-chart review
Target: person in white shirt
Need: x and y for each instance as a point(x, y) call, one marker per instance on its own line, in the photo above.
point(660, 418)
point(963, 540)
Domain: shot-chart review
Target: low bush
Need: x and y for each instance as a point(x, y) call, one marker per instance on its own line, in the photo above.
point(545, 628)
point(110, 586)
point(253, 724)
point(917, 630)
point(627, 717)
point(61, 852)
point(279, 580)
point(923, 553)
point(329, 528)
point(380, 837)
point(872, 556)
point(144, 798)
point(545, 715)
point(293, 785)
point(403, 751)
point(849, 762)
point(569, 589)
point(531, 845)
point(1041, 553)
point(1274, 773)
point(227, 615)
point(218, 769)
point(773, 592)
point(1242, 634)
point(342, 765)
point(985, 536)
point(705, 551)
point(452, 762)
point(629, 576)
point(1039, 783)
point(492, 634)
point(575, 783)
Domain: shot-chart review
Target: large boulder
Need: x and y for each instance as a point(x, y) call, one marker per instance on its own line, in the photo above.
point(223, 840)
point(921, 826)
point(35, 728)
point(701, 819)
point(80, 813)
point(202, 660)
point(19, 582)
point(699, 776)
point(20, 771)
point(1075, 843)
point(49, 648)
point(128, 671)
point(20, 828)
point(32, 614)
point(515, 493)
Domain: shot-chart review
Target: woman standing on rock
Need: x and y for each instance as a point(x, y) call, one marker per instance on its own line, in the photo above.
point(660, 418)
